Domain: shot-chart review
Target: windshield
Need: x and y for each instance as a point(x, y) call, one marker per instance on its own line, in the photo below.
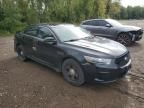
point(70, 32)
point(113, 22)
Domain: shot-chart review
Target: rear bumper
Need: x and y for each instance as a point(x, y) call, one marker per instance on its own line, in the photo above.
point(105, 75)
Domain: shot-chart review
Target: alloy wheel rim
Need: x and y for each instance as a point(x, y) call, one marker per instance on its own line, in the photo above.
point(72, 73)
point(21, 53)
point(123, 39)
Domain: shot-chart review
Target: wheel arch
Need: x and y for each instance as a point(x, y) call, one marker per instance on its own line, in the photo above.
point(16, 46)
point(121, 32)
point(69, 57)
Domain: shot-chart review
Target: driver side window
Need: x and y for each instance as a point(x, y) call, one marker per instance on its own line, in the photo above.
point(44, 33)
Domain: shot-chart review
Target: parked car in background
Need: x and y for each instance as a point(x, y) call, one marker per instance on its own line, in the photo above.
point(75, 52)
point(112, 29)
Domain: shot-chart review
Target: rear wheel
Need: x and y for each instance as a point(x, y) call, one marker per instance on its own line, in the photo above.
point(21, 54)
point(72, 72)
point(124, 39)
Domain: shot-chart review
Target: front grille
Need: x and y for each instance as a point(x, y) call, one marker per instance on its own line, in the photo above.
point(137, 33)
point(123, 60)
point(140, 32)
point(112, 75)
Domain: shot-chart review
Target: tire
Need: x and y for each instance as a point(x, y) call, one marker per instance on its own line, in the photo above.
point(20, 53)
point(124, 39)
point(73, 72)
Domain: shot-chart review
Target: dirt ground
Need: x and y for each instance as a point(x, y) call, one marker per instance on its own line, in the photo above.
point(31, 85)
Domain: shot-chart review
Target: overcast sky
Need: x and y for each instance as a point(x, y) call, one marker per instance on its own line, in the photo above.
point(132, 2)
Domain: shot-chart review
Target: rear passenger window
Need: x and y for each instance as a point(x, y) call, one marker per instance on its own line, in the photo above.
point(32, 32)
point(96, 23)
point(87, 23)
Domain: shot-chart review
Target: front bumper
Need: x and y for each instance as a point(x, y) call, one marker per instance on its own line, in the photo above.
point(137, 35)
point(105, 75)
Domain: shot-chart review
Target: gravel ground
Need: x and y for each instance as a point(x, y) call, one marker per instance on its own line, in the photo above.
point(31, 85)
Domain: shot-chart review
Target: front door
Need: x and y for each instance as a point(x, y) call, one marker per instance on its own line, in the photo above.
point(47, 51)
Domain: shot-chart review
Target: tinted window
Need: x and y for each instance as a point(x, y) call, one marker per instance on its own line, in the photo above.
point(113, 22)
point(87, 23)
point(102, 23)
point(93, 23)
point(32, 32)
point(45, 32)
point(96, 23)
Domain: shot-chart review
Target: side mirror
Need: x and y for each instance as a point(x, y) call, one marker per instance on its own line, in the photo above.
point(108, 25)
point(50, 40)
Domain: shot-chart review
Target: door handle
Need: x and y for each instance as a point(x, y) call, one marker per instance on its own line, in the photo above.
point(34, 48)
point(34, 45)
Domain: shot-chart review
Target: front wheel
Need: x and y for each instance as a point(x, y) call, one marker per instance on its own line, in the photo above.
point(124, 39)
point(73, 72)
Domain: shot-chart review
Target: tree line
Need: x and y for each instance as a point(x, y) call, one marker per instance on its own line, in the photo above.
point(16, 14)
point(131, 13)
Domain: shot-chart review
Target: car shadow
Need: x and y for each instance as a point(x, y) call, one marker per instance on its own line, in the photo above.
point(135, 44)
point(118, 89)
point(135, 47)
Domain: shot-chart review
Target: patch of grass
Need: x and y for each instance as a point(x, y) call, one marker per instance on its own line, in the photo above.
point(5, 34)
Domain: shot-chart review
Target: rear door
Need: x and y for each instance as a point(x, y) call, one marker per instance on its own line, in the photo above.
point(28, 38)
point(90, 26)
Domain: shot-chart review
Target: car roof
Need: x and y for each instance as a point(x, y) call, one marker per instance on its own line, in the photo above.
point(51, 24)
point(92, 20)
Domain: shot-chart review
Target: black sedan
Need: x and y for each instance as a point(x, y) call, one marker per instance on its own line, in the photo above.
point(112, 29)
point(75, 52)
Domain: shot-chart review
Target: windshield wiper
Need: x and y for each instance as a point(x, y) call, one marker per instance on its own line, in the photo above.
point(89, 37)
point(71, 40)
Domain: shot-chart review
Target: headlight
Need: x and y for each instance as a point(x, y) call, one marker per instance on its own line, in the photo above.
point(102, 61)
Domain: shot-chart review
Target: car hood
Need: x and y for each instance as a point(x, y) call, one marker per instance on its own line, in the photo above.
point(129, 28)
point(103, 45)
